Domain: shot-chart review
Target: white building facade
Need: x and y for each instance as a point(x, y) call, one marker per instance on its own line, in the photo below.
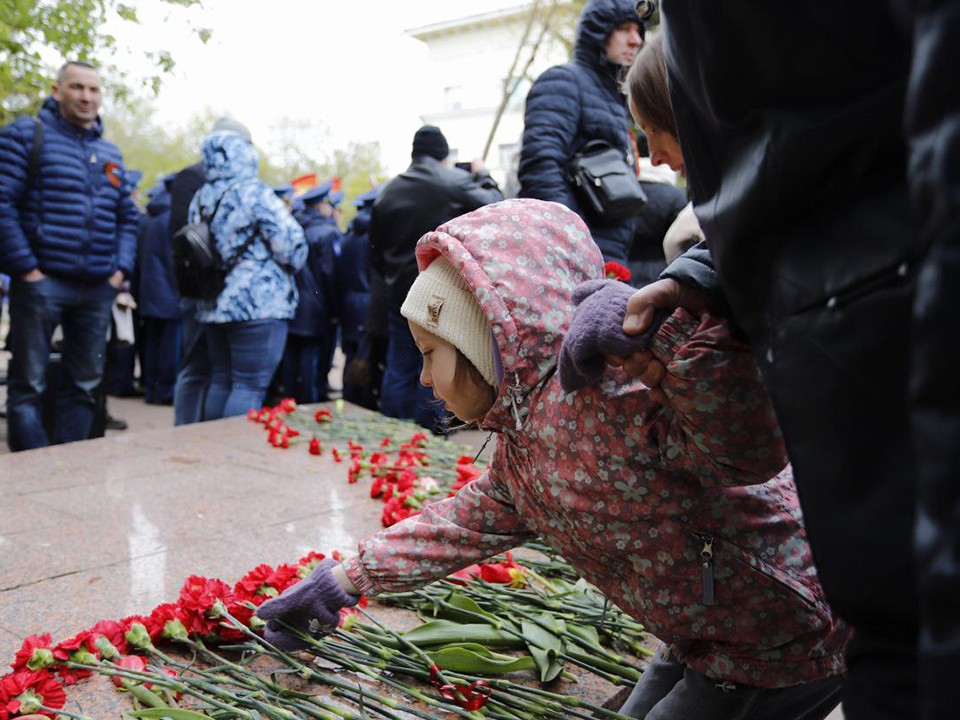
point(469, 59)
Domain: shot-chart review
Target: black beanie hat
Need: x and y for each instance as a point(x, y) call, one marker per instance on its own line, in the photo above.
point(428, 140)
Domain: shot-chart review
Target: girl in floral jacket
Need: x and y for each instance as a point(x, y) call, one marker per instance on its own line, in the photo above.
point(684, 514)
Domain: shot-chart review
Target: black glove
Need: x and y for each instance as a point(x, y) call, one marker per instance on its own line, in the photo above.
point(312, 606)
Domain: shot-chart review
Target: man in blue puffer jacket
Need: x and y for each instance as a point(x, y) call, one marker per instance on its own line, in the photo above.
point(570, 105)
point(68, 239)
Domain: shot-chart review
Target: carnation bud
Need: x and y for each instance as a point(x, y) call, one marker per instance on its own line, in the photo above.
point(175, 630)
point(256, 624)
point(30, 702)
point(138, 636)
point(106, 648)
point(217, 610)
point(41, 658)
point(83, 657)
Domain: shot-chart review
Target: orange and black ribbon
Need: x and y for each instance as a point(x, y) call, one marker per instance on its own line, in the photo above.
point(113, 175)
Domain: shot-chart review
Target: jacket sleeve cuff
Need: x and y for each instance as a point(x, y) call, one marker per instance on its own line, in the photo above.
point(360, 577)
point(675, 331)
point(695, 268)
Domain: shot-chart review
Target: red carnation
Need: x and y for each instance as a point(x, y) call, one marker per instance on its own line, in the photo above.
point(114, 632)
point(323, 416)
point(24, 691)
point(161, 615)
point(251, 586)
point(83, 643)
point(27, 650)
point(353, 474)
point(314, 446)
point(197, 597)
point(615, 271)
point(307, 563)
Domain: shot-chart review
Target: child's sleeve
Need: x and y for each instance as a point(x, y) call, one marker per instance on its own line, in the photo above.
point(478, 522)
point(722, 428)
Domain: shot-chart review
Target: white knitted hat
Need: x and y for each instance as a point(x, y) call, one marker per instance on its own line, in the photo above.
point(440, 301)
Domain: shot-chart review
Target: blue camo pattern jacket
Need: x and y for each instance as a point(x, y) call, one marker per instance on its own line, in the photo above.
point(632, 493)
point(261, 284)
point(570, 105)
point(77, 219)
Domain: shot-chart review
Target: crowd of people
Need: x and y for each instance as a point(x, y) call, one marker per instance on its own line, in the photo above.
point(784, 345)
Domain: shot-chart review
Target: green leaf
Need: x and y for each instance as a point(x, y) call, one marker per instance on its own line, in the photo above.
point(587, 633)
point(479, 659)
point(545, 646)
point(127, 12)
point(162, 713)
point(443, 632)
point(459, 608)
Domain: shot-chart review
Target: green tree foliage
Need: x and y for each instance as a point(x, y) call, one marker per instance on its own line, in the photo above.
point(36, 36)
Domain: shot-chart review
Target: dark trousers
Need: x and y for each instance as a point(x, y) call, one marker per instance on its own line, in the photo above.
point(669, 690)
point(401, 394)
point(160, 340)
point(327, 349)
point(193, 375)
point(297, 375)
point(36, 308)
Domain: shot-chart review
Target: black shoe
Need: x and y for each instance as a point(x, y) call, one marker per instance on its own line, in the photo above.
point(113, 423)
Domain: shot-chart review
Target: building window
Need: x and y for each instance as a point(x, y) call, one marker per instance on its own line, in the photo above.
point(453, 98)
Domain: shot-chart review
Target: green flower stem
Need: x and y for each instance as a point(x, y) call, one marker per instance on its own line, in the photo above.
point(424, 658)
point(64, 713)
point(186, 685)
point(308, 673)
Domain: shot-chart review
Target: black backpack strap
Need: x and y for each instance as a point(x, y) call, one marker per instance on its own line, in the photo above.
point(237, 256)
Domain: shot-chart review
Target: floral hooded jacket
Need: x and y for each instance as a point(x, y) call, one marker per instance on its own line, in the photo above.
point(684, 515)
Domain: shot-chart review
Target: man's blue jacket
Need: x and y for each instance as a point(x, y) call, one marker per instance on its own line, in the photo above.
point(76, 219)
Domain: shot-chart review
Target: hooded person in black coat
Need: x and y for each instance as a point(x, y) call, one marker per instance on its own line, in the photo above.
point(573, 104)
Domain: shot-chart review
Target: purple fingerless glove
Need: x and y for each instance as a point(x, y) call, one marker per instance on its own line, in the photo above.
point(312, 606)
point(597, 332)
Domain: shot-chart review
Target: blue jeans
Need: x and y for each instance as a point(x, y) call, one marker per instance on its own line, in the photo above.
point(36, 308)
point(243, 358)
point(401, 394)
point(669, 690)
point(193, 376)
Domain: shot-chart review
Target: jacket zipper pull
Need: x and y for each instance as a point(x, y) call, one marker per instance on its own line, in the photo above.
point(706, 565)
point(516, 391)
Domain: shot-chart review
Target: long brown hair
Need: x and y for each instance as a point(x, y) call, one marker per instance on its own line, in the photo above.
point(647, 86)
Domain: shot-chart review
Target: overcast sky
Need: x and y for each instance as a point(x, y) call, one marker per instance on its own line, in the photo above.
point(343, 64)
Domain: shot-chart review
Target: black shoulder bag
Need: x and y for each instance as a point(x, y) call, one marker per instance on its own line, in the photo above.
point(605, 185)
point(197, 266)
